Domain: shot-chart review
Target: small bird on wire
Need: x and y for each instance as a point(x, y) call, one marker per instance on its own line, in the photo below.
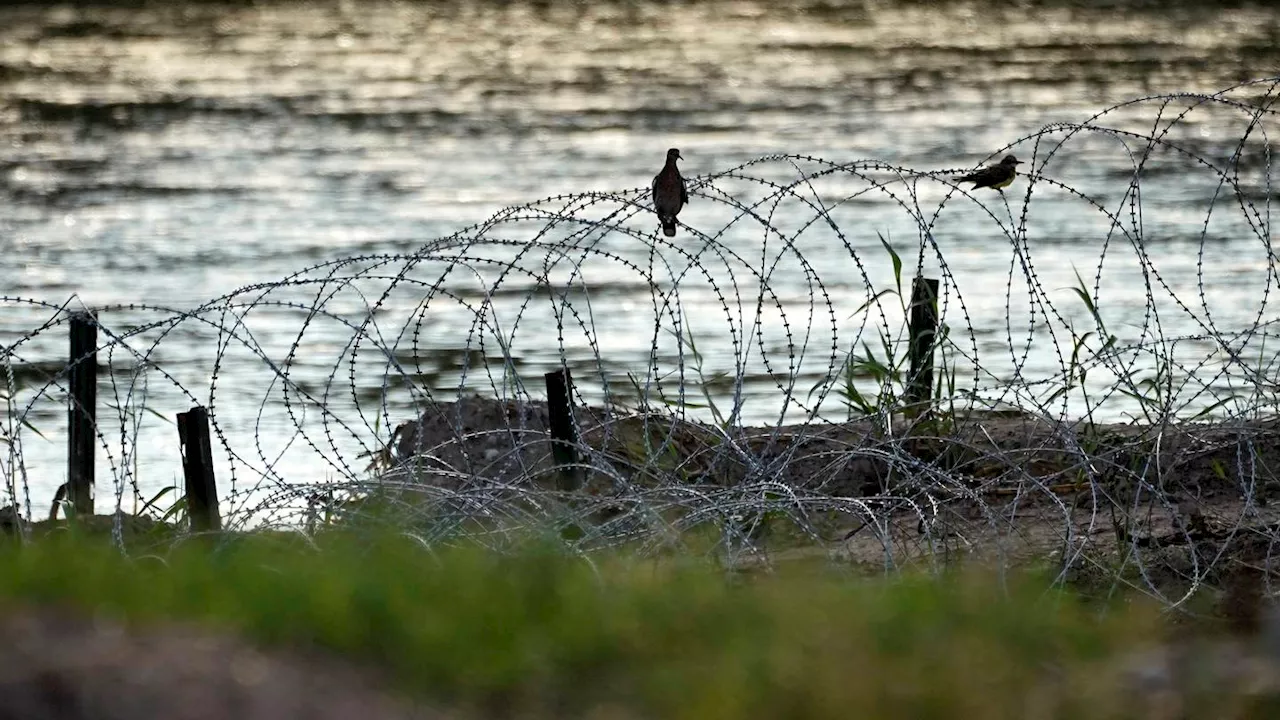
point(669, 193)
point(994, 176)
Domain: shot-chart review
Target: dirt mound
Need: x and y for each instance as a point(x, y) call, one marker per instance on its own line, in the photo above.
point(1164, 505)
point(478, 439)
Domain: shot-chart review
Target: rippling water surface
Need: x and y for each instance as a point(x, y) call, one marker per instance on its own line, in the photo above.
point(169, 156)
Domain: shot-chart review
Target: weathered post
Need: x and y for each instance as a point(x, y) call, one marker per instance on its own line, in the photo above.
point(564, 436)
point(82, 404)
point(197, 468)
point(923, 329)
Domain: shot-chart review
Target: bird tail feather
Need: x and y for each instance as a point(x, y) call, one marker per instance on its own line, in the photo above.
point(669, 227)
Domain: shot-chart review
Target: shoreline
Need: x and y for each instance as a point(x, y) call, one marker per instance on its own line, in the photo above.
point(1006, 487)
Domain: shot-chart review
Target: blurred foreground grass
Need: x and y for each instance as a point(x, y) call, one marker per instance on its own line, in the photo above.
point(538, 634)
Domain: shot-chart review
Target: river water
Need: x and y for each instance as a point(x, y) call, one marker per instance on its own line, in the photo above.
point(172, 165)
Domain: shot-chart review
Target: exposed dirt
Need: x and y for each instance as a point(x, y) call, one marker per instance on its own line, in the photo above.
point(66, 666)
point(1163, 508)
point(483, 439)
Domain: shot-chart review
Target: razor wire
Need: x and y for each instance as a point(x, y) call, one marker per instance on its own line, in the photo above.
point(764, 417)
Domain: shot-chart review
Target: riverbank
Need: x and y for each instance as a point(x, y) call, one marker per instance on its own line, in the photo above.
point(1170, 509)
point(467, 633)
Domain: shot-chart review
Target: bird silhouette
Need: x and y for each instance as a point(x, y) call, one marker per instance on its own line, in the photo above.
point(669, 193)
point(994, 176)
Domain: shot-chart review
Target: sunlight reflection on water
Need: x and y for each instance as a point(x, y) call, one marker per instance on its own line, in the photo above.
point(171, 155)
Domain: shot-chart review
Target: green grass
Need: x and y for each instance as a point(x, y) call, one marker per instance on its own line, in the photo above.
point(540, 634)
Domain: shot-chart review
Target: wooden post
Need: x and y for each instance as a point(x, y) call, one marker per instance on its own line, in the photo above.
point(82, 404)
point(197, 468)
point(563, 434)
point(923, 329)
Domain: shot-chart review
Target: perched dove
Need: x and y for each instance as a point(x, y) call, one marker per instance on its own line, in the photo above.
point(994, 176)
point(669, 193)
